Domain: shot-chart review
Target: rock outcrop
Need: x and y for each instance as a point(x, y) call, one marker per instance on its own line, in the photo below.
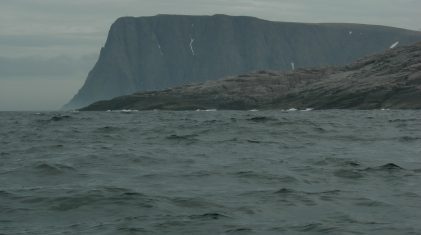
point(154, 53)
point(389, 80)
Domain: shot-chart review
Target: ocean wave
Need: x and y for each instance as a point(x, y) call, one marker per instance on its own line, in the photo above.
point(226, 172)
point(53, 168)
point(262, 119)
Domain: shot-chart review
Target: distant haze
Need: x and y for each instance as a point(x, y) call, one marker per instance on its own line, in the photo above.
point(47, 47)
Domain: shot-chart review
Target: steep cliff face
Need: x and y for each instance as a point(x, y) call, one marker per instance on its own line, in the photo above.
point(153, 53)
point(388, 80)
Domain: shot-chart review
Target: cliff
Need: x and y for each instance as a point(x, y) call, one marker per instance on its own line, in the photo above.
point(155, 53)
point(388, 80)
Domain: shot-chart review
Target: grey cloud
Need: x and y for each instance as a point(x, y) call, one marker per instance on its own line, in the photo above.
point(37, 93)
point(58, 67)
point(46, 40)
point(52, 17)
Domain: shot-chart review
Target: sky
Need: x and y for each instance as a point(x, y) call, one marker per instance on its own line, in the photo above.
point(47, 47)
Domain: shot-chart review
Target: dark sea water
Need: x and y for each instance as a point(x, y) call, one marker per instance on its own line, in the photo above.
point(223, 172)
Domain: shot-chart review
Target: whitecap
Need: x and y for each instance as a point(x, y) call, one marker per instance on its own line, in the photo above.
point(129, 110)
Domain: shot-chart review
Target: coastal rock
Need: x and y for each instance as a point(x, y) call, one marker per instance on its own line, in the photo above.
point(388, 80)
point(159, 52)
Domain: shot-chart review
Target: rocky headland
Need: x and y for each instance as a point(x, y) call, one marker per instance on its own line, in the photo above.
point(390, 80)
point(163, 51)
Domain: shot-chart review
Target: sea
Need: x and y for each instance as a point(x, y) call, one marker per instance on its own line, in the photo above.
point(211, 172)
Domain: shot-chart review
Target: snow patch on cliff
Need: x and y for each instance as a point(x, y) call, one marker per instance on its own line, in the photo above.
point(191, 46)
point(394, 45)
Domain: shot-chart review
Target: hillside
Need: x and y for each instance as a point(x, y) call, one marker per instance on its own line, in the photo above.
point(388, 80)
point(159, 52)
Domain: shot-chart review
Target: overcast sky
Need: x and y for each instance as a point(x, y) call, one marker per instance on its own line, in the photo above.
point(47, 47)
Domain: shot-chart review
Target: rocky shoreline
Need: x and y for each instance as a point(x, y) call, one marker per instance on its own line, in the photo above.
point(391, 80)
point(165, 51)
